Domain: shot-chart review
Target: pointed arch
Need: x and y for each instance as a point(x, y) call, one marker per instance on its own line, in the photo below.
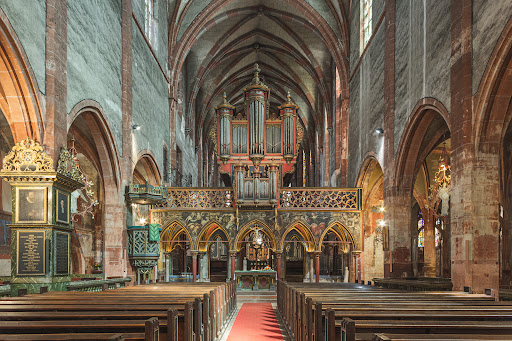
point(426, 112)
point(90, 114)
point(244, 231)
point(304, 231)
point(370, 162)
point(20, 99)
point(146, 168)
point(340, 231)
point(207, 232)
point(171, 230)
point(492, 102)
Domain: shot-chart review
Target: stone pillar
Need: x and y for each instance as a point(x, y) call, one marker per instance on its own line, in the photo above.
point(232, 255)
point(167, 264)
point(194, 266)
point(354, 275)
point(278, 264)
point(429, 247)
point(475, 173)
point(56, 78)
point(311, 268)
point(205, 267)
point(317, 267)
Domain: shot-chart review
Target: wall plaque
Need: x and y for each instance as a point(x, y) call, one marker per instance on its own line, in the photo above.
point(61, 253)
point(31, 253)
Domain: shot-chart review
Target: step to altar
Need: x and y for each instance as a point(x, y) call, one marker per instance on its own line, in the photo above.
point(256, 297)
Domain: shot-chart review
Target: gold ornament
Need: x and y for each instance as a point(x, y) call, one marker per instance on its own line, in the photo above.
point(68, 166)
point(28, 156)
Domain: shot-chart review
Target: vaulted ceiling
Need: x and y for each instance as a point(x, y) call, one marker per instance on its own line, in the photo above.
point(297, 44)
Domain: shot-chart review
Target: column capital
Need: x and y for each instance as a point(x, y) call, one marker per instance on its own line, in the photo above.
point(194, 253)
point(278, 252)
point(233, 253)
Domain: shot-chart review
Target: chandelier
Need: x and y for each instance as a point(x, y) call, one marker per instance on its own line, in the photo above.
point(440, 188)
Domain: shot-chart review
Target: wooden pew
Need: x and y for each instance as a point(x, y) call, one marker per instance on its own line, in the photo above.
point(336, 312)
point(130, 305)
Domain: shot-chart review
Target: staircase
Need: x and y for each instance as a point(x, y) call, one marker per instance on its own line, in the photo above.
point(256, 297)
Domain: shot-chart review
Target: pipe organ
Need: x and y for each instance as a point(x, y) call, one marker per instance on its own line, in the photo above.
point(256, 148)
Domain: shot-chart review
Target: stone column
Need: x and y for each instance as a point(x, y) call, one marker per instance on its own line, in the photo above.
point(278, 264)
point(317, 267)
point(166, 265)
point(203, 265)
point(429, 246)
point(232, 255)
point(311, 267)
point(194, 266)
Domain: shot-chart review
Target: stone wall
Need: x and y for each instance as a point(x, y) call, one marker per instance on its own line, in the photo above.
point(489, 19)
point(366, 103)
point(150, 89)
point(28, 19)
point(422, 55)
point(94, 58)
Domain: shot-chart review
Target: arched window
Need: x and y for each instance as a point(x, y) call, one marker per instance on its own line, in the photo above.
point(366, 23)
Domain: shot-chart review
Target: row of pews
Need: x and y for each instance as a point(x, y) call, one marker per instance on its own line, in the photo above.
point(349, 312)
point(167, 311)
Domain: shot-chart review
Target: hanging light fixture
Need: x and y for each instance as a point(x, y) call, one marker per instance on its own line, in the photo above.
point(440, 188)
point(442, 177)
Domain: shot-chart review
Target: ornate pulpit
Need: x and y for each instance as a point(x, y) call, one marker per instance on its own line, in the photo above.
point(41, 225)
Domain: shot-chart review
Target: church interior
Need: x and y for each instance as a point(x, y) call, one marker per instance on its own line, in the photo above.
point(179, 169)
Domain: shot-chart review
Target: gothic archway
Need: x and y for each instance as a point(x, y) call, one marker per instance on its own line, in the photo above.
point(374, 245)
point(91, 136)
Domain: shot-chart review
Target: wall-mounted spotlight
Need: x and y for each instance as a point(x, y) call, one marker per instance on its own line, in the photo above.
point(136, 127)
point(379, 131)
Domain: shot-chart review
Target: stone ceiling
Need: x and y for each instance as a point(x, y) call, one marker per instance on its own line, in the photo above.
point(297, 44)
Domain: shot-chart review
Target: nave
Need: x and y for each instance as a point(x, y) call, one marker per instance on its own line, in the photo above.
point(299, 311)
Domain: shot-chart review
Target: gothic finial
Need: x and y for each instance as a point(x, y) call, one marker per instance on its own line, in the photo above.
point(288, 97)
point(225, 99)
point(256, 73)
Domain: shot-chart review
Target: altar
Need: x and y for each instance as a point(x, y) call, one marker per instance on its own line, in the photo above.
point(255, 280)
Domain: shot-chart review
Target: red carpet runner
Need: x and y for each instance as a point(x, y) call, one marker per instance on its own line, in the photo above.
point(255, 321)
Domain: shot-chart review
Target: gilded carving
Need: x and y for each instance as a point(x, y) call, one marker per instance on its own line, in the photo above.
point(28, 156)
point(67, 166)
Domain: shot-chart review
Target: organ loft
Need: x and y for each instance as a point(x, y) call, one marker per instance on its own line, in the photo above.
point(239, 169)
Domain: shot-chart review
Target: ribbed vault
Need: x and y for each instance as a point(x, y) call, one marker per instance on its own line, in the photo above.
point(297, 43)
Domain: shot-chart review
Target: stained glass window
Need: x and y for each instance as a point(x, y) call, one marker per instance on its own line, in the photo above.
point(366, 22)
point(421, 231)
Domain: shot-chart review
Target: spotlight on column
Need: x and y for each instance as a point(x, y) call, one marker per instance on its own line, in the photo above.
point(379, 131)
point(136, 127)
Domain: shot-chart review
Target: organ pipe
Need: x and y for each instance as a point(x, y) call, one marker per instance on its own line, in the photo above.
point(256, 97)
point(288, 111)
point(225, 115)
point(256, 147)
